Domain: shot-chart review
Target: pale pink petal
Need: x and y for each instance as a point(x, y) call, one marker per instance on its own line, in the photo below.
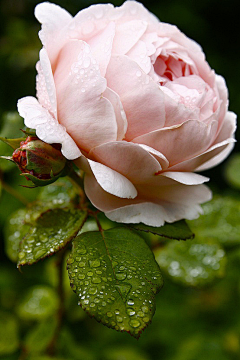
point(142, 99)
point(139, 53)
point(112, 181)
point(163, 161)
point(101, 47)
point(216, 152)
point(47, 128)
point(119, 112)
point(182, 202)
point(130, 160)
point(171, 142)
point(131, 10)
point(88, 116)
point(131, 32)
point(186, 178)
point(46, 92)
point(53, 19)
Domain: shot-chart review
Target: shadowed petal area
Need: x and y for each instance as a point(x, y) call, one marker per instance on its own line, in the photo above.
point(88, 116)
point(112, 181)
point(142, 99)
point(217, 152)
point(130, 160)
point(169, 201)
point(47, 128)
point(181, 142)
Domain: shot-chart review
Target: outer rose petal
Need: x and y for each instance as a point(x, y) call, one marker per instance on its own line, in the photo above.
point(153, 213)
point(53, 19)
point(186, 178)
point(113, 182)
point(88, 116)
point(46, 91)
point(142, 99)
point(130, 160)
point(47, 128)
point(181, 142)
point(217, 152)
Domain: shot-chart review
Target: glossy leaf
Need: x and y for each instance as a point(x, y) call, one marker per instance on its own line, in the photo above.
point(221, 220)
point(116, 277)
point(194, 263)
point(15, 230)
point(178, 230)
point(38, 303)
point(51, 232)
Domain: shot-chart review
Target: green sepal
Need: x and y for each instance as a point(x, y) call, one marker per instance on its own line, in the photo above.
point(116, 278)
point(14, 143)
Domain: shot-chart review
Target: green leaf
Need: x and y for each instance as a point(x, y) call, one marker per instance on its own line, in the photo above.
point(194, 263)
point(40, 336)
point(51, 232)
point(39, 302)
point(115, 275)
point(232, 171)
point(15, 229)
point(14, 143)
point(221, 220)
point(124, 352)
point(9, 339)
point(178, 230)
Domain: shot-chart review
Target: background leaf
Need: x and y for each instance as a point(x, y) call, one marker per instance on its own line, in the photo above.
point(178, 230)
point(194, 263)
point(116, 278)
point(9, 338)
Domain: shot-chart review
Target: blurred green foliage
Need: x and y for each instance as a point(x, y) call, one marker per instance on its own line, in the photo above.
point(193, 320)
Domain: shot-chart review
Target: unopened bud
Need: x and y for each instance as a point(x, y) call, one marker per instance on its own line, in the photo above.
point(40, 162)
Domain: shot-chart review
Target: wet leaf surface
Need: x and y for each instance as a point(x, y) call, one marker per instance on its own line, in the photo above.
point(116, 278)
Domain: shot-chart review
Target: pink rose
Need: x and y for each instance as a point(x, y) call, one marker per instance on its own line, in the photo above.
point(136, 103)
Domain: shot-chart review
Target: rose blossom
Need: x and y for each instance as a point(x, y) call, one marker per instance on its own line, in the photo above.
point(135, 102)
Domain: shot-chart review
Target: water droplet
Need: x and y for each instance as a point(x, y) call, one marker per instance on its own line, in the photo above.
point(83, 90)
point(81, 264)
point(134, 323)
point(119, 319)
point(109, 314)
point(146, 319)
point(130, 312)
point(138, 73)
point(92, 291)
point(121, 276)
point(145, 309)
point(130, 302)
point(94, 263)
point(89, 273)
point(81, 276)
point(96, 280)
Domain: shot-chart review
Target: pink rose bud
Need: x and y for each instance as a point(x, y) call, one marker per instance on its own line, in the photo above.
point(40, 162)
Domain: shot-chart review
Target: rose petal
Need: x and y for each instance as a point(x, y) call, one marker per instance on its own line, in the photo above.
point(130, 160)
point(101, 47)
point(46, 91)
point(142, 99)
point(53, 19)
point(88, 116)
point(112, 181)
point(131, 32)
point(47, 127)
point(186, 178)
point(181, 142)
point(164, 163)
point(119, 112)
